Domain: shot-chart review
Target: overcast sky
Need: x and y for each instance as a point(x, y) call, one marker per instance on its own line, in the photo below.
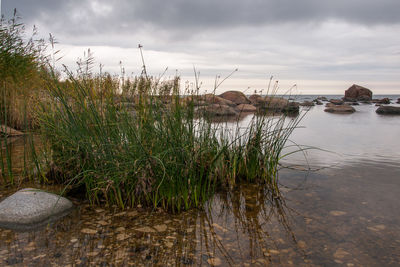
point(323, 46)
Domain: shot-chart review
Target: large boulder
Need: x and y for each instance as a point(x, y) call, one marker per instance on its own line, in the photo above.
point(213, 99)
point(388, 110)
point(332, 108)
point(218, 110)
point(236, 97)
point(357, 92)
point(30, 208)
point(246, 108)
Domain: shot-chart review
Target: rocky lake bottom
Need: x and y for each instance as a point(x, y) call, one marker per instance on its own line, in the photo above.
point(343, 212)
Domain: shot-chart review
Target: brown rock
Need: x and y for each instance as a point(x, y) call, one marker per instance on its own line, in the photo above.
point(8, 131)
point(388, 110)
point(384, 101)
point(213, 99)
point(218, 110)
point(307, 104)
point(358, 92)
point(236, 97)
point(246, 108)
point(257, 100)
point(339, 109)
point(336, 101)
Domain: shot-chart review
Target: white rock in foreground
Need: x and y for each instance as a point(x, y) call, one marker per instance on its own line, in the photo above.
point(29, 208)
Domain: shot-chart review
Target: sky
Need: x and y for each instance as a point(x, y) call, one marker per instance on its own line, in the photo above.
point(309, 46)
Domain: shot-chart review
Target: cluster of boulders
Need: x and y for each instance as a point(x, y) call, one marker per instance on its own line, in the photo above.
point(356, 94)
point(235, 102)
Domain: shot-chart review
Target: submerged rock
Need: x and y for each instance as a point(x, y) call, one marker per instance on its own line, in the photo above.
point(388, 110)
point(30, 208)
point(339, 109)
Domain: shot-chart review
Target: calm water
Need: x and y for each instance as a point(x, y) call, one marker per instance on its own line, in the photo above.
point(345, 214)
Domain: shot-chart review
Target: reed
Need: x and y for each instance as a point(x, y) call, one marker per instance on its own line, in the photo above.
point(22, 67)
point(159, 153)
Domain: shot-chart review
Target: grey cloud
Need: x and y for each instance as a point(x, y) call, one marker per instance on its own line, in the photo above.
point(201, 14)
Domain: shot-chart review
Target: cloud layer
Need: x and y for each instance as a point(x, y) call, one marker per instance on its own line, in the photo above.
point(353, 40)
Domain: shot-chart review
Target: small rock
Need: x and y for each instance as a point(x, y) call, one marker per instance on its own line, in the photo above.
point(161, 228)
point(214, 261)
point(146, 229)
point(377, 228)
point(89, 231)
point(340, 253)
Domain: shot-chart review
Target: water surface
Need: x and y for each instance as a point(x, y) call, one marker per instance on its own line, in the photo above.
point(346, 214)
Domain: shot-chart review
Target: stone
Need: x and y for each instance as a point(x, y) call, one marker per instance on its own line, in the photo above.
point(337, 213)
point(307, 104)
point(358, 92)
point(8, 131)
point(340, 253)
point(340, 109)
point(218, 110)
point(385, 101)
point(322, 98)
point(161, 227)
point(236, 97)
point(317, 102)
point(213, 99)
point(388, 110)
point(30, 208)
point(336, 101)
point(246, 108)
point(257, 100)
point(398, 101)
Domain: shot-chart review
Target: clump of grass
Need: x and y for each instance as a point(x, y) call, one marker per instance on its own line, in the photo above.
point(158, 153)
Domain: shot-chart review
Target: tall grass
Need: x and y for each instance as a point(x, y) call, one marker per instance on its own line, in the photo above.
point(159, 153)
point(22, 66)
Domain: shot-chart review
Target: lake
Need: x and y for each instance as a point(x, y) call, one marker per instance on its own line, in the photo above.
point(339, 207)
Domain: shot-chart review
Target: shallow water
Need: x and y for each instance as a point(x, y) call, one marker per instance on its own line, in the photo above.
point(342, 216)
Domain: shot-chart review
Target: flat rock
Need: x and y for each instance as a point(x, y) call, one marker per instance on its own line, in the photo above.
point(340, 109)
point(388, 110)
point(246, 108)
point(30, 208)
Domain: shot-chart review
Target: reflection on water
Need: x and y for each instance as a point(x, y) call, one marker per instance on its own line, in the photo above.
point(345, 216)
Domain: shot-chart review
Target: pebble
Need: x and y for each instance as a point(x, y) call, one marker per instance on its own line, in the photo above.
point(214, 261)
point(337, 213)
point(88, 231)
